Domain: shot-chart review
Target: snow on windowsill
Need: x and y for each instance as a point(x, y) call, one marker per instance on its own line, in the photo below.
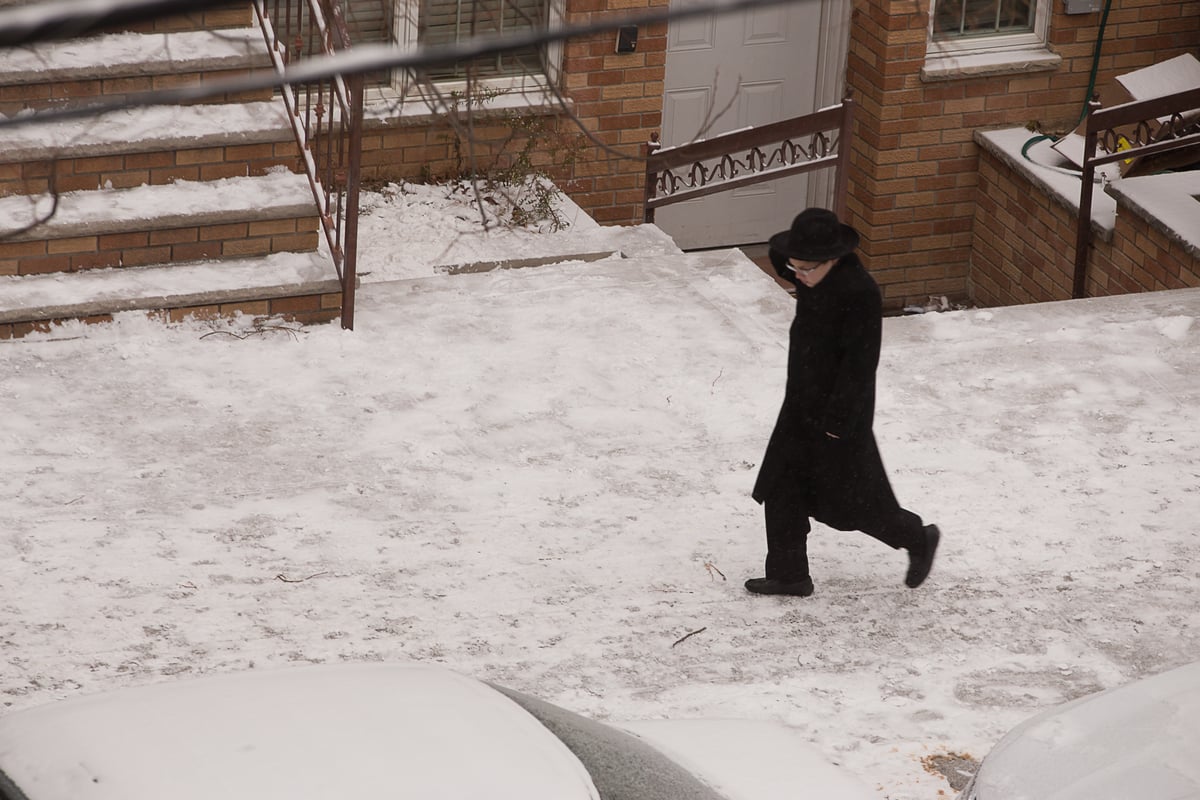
point(389, 105)
point(949, 66)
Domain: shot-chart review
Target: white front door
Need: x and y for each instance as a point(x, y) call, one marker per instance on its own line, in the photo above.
point(731, 71)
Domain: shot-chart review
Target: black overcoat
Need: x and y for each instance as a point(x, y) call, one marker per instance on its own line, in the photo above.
point(833, 352)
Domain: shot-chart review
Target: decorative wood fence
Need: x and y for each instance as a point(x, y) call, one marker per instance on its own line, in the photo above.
point(754, 155)
point(1128, 131)
point(327, 119)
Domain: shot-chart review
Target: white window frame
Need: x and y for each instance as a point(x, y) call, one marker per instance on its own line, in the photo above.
point(984, 53)
point(405, 35)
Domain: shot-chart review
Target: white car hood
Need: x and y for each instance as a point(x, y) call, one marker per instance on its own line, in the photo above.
point(309, 733)
point(1141, 740)
point(751, 760)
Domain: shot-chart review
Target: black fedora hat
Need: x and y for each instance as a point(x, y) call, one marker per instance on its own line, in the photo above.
point(816, 235)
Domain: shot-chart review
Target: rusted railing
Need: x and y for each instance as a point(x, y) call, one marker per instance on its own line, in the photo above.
point(747, 157)
point(1128, 131)
point(327, 119)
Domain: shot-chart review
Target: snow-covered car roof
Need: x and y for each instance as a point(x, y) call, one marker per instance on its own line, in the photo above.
point(1140, 740)
point(345, 731)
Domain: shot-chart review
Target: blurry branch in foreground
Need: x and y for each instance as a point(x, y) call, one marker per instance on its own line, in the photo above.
point(359, 59)
point(67, 19)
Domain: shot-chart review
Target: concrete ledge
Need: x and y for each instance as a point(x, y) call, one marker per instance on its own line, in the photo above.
point(521, 263)
point(1031, 156)
point(951, 66)
point(1167, 202)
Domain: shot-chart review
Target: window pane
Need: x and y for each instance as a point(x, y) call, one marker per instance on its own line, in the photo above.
point(370, 22)
point(959, 18)
point(450, 21)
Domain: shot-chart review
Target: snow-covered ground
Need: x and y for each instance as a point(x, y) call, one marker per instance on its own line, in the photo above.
point(541, 477)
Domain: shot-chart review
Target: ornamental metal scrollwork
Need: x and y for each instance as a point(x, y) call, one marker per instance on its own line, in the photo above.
point(1146, 132)
point(751, 161)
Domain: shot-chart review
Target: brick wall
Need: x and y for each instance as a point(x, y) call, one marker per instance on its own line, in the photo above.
point(1024, 240)
point(618, 97)
point(1024, 246)
point(1141, 258)
point(914, 183)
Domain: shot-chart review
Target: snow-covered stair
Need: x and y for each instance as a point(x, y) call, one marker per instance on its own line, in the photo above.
point(154, 144)
point(59, 73)
point(168, 191)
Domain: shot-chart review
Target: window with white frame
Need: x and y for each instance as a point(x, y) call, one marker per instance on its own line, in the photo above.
point(428, 23)
point(959, 19)
point(443, 22)
point(977, 33)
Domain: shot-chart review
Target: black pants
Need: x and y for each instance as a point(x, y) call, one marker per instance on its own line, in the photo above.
point(787, 535)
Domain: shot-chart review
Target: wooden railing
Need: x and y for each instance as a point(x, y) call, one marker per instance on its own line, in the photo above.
point(327, 118)
point(1128, 131)
point(746, 157)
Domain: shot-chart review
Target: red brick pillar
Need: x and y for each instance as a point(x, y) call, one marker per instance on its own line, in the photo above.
point(618, 98)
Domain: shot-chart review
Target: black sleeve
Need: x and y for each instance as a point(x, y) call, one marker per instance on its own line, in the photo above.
point(850, 406)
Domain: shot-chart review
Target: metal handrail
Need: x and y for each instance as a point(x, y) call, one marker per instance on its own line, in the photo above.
point(676, 174)
point(327, 119)
point(1157, 125)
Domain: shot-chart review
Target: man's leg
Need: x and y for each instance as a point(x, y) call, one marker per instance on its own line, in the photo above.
point(787, 540)
point(904, 529)
point(787, 551)
point(900, 529)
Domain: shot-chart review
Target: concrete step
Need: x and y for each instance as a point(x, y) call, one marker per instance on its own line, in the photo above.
point(152, 145)
point(112, 67)
point(300, 287)
point(183, 221)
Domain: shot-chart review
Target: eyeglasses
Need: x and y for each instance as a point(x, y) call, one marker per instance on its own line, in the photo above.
point(805, 266)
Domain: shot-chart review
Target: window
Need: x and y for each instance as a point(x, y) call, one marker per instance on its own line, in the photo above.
point(960, 18)
point(424, 23)
point(981, 36)
point(443, 22)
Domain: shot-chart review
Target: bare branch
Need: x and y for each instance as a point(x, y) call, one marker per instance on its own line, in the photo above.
point(52, 190)
point(710, 118)
point(285, 579)
point(689, 635)
point(13, 234)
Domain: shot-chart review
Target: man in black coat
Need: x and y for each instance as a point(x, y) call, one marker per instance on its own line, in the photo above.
point(822, 461)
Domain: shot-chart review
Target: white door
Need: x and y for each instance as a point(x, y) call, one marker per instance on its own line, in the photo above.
point(730, 71)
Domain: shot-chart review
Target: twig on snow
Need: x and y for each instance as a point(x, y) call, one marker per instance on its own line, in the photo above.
point(286, 579)
point(258, 330)
point(687, 636)
point(711, 567)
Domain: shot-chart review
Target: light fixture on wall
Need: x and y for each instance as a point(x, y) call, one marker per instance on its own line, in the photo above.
point(627, 39)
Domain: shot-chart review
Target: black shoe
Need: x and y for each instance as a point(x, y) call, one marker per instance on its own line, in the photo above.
point(920, 559)
point(801, 588)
